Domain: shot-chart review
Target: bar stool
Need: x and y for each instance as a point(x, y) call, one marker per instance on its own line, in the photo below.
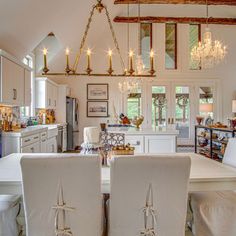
point(91, 144)
point(9, 210)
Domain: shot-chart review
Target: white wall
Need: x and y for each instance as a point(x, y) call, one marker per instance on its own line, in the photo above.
point(225, 72)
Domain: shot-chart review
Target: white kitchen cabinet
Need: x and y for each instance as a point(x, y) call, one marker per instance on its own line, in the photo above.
point(135, 141)
point(27, 88)
point(26, 140)
point(43, 146)
point(43, 143)
point(160, 144)
point(64, 141)
point(12, 83)
point(52, 145)
point(33, 148)
point(46, 94)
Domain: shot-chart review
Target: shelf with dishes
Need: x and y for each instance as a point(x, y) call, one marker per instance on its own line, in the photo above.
point(212, 141)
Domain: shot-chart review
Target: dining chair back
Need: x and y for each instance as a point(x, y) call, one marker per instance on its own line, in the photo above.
point(230, 153)
point(149, 195)
point(62, 195)
point(214, 212)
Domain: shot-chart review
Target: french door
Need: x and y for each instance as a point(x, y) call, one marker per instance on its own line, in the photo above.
point(176, 105)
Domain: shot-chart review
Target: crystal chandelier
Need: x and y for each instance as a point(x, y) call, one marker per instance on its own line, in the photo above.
point(129, 85)
point(208, 53)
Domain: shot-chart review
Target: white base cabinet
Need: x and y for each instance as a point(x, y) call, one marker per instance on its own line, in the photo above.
point(160, 144)
point(159, 141)
point(52, 145)
point(24, 142)
point(33, 148)
point(135, 141)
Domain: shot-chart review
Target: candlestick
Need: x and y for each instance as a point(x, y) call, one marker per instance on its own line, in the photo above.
point(131, 69)
point(88, 70)
point(152, 71)
point(110, 70)
point(67, 69)
point(45, 69)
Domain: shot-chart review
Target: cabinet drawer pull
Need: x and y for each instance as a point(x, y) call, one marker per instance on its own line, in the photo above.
point(27, 140)
point(14, 94)
point(32, 149)
point(36, 137)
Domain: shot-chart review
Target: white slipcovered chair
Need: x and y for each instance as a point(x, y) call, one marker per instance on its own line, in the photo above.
point(9, 209)
point(148, 185)
point(47, 180)
point(214, 213)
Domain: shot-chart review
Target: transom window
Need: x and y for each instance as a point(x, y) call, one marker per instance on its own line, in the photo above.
point(146, 42)
point(171, 46)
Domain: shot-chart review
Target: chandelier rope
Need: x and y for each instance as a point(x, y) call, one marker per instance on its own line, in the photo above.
point(99, 6)
point(86, 34)
point(84, 39)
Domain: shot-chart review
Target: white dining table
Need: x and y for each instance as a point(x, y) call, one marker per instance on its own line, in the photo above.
point(205, 174)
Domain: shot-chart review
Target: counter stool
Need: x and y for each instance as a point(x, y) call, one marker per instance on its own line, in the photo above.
point(91, 144)
point(9, 210)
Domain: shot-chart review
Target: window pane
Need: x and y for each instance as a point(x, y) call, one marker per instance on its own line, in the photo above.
point(146, 43)
point(171, 46)
point(206, 102)
point(182, 111)
point(194, 38)
point(159, 106)
point(134, 102)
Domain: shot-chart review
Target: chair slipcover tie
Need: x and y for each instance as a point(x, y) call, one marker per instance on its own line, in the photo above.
point(64, 232)
point(61, 207)
point(148, 211)
point(148, 232)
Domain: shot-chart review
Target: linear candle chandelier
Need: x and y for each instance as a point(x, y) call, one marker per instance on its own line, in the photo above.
point(110, 72)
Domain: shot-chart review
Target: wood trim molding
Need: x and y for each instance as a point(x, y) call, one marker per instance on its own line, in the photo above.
point(179, 20)
point(194, 2)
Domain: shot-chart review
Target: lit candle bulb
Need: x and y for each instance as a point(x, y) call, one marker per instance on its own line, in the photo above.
point(152, 71)
point(131, 69)
point(89, 70)
point(67, 61)
point(45, 69)
point(110, 70)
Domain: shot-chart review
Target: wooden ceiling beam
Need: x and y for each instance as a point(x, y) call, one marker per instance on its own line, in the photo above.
point(179, 20)
point(194, 2)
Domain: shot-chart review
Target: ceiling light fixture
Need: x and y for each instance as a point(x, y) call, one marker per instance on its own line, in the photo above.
point(208, 53)
point(110, 72)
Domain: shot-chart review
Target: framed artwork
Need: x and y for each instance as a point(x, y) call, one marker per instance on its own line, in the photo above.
point(97, 92)
point(97, 108)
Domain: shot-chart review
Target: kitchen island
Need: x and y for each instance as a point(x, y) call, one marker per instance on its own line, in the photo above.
point(159, 140)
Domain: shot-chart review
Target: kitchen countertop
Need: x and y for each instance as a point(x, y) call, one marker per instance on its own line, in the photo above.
point(134, 131)
point(30, 130)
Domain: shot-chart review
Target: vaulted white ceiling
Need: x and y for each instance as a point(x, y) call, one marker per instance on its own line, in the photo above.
point(25, 23)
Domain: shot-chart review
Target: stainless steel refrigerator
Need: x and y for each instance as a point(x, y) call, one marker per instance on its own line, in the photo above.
point(72, 119)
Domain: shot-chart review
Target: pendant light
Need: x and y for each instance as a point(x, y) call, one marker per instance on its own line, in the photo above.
point(209, 52)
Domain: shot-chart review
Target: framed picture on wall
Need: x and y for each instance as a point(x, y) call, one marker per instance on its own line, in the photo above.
point(97, 92)
point(97, 108)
